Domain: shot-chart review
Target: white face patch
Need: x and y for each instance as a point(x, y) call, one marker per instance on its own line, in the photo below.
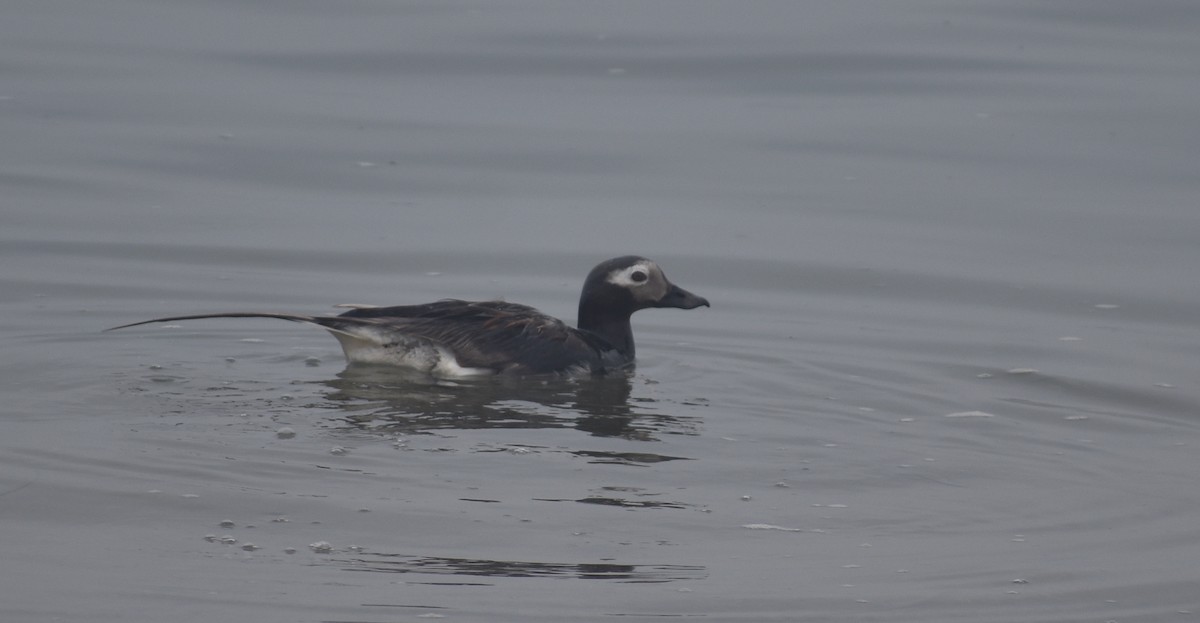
point(634, 276)
point(644, 280)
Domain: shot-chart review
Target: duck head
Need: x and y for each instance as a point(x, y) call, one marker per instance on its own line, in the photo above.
point(618, 287)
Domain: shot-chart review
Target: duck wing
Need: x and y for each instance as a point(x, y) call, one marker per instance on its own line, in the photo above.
point(490, 335)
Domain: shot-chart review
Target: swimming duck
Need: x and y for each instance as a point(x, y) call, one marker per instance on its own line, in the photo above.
point(454, 338)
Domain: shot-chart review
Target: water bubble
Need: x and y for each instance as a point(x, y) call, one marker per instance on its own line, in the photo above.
point(337, 450)
point(321, 547)
point(285, 433)
point(962, 414)
point(229, 539)
point(227, 523)
point(249, 547)
point(767, 526)
point(289, 550)
point(211, 538)
point(312, 362)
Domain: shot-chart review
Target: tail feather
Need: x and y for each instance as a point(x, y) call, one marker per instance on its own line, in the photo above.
point(355, 334)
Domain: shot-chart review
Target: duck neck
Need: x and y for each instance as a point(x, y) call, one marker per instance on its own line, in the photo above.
point(614, 328)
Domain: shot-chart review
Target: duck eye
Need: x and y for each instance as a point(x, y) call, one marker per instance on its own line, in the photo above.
point(638, 276)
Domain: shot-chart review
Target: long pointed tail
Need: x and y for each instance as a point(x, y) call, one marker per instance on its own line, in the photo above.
point(292, 317)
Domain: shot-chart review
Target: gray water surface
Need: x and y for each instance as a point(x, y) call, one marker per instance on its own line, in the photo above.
point(950, 371)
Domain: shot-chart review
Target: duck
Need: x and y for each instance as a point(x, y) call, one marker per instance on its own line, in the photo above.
point(457, 338)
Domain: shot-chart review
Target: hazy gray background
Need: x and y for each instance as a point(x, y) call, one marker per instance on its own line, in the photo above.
point(949, 374)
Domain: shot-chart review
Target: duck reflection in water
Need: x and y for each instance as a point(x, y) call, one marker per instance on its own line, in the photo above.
point(375, 399)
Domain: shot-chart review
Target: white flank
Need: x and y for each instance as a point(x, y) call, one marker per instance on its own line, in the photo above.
point(367, 344)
